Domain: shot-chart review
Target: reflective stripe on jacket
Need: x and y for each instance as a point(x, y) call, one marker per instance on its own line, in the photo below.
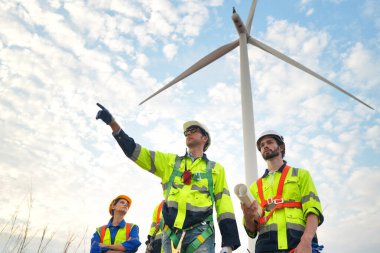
point(285, 227)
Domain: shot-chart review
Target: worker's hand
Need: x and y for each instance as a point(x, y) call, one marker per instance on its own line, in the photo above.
point(98, 247)
point(226, 249)
point(257, 210)
point(303, 247)
point(251, 216)
point(251, 212)
point(104, 115)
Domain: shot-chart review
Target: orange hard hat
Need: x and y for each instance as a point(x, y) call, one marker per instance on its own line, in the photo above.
point(128, 199)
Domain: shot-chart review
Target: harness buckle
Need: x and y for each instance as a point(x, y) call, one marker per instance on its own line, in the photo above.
point(269, 201)
point(278, 201)
point(197, 176)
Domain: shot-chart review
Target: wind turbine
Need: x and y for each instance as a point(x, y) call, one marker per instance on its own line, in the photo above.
point(246, 93)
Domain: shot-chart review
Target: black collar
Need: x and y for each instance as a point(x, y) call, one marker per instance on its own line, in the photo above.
point(187, 154)
point(279, 170)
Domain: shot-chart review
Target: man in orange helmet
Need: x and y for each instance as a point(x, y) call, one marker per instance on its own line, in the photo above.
point(117, 236)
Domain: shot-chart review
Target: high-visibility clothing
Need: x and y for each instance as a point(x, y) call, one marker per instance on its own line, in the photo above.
point(155, 233)
point(122, 235)
point(187, 204)
point(284, 227)
point(156, 218)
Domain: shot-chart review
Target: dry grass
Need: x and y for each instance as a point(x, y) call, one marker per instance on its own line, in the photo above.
point(18, 237)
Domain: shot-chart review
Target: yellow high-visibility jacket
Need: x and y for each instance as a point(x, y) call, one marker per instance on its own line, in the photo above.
point(285, 227)
point(155, 232)
point(156, 218)
point(187, 205)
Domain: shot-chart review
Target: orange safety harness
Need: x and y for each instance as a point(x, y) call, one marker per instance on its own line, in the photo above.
point(277, 200)
point(158, 217)
point(127, 231)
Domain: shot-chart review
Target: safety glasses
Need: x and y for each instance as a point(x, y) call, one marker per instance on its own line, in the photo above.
point(192, 130)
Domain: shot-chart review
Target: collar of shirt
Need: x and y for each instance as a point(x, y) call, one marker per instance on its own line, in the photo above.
point(120, 225)
point(188, 154)
point(279, 170)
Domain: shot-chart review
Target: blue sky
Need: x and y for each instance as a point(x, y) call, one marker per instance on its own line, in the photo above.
point(59, 58)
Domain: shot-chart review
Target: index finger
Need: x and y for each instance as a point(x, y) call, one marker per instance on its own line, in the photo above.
point(101, 107)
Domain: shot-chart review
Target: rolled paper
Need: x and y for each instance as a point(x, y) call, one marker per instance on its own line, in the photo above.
point(245, 196)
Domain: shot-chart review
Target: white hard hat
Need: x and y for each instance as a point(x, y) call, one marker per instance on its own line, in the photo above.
point(190, 123)
point(271, 133)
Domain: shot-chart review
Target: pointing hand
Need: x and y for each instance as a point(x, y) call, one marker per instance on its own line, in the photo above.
point(104, 115)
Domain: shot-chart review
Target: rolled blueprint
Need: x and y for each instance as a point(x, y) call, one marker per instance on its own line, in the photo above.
point(245, 196)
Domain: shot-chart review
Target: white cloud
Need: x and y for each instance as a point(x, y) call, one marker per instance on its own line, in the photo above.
point(309, 12)
point(361, 67)
point(57, 60)
point(195, 15)
point(372, 137)
point(170, 50)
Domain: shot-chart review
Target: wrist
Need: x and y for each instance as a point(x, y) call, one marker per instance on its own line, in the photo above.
point(307, 239)
point(114, 126)
point(251, 225)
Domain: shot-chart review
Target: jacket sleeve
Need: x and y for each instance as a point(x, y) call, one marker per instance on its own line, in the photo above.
point(224, 209)
point(310, 199)
point(126, 143)
point(134, 242)
point(155, 162)
point(95, 248)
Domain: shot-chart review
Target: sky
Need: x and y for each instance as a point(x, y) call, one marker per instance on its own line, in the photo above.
point(61, 168)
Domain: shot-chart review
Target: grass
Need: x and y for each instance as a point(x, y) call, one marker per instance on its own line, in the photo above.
point(16, 236)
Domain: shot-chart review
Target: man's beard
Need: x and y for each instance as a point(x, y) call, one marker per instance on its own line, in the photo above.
point(193, 143)
point(270, 155)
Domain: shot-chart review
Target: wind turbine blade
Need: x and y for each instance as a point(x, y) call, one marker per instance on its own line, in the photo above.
point(296, 64)
point(214, 55)
point(250, 16)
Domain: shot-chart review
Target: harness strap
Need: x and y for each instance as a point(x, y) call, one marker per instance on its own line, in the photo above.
point(277, 200)
point(158, 217)
point(263, 220)
point(209, 167)
point(173, 175)
point(198, 241)
point(201, 238)
point(173, 237)
point(282, 181)
point(159, 221)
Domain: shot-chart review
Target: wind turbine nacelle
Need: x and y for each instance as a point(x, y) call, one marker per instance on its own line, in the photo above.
point(240, 27)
